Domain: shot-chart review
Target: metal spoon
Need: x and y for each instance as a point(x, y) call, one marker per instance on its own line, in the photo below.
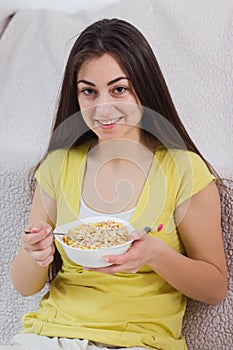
point(158, 228)
point(147, 229)
point(51, 233)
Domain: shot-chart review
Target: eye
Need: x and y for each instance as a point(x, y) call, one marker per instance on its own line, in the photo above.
point(88, 91)
point(119, 90)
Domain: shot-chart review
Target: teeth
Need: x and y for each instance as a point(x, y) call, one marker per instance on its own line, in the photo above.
point(109, 122)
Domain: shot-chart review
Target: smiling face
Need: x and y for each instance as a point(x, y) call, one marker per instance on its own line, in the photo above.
point(107, 101)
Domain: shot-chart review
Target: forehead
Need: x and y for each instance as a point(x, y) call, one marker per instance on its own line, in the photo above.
point(105, 65)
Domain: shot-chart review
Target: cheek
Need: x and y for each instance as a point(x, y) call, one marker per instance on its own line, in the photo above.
point(133, 113)
point(87, 105)
point(88, 115)
point(82, 102)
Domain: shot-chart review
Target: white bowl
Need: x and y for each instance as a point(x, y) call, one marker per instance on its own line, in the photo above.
point(92, 257)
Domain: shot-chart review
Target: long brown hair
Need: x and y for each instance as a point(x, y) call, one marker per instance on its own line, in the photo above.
point(134, 54)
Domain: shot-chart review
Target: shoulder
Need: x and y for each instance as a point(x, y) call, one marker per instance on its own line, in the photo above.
point(185, 172)
point(60, 156)
point(58, 161)
point(181, 161)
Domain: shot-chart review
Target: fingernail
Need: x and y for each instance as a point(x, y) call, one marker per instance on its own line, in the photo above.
point(106, 259)
point(155, 228)
point(160, 227)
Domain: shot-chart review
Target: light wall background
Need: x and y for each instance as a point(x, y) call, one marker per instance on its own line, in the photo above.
point(69, 6)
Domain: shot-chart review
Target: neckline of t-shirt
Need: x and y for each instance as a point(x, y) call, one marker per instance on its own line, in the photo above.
point(102, 213)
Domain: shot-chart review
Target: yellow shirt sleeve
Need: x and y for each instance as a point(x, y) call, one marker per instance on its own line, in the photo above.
point(191, 175)
point(48, 175)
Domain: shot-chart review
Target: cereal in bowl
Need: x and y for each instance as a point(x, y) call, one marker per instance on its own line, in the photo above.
point(97, 235)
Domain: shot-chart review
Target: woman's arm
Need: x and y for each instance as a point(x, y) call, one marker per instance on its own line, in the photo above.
point(202, 275)
point(29, 270)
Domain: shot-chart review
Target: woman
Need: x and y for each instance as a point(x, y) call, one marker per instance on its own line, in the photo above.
point(119, 148)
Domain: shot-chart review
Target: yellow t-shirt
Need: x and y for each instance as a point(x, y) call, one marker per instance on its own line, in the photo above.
point(123, 309)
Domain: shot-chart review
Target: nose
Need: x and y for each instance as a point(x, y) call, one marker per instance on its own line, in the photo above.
point(104, 109)
point(104, 106)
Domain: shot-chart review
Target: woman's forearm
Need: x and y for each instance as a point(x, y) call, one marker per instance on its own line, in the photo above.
point(27, 276)
point(196, 279)
point(29, 269)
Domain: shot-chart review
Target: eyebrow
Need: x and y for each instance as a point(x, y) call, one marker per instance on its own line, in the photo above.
point(109, 83)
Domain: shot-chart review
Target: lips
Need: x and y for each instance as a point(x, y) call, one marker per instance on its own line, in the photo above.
point(108, 122)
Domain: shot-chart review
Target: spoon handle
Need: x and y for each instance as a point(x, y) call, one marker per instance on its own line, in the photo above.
point(147, 229)
point(51, 233)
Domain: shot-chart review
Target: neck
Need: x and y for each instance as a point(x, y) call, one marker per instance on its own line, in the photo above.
point(117, 151)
